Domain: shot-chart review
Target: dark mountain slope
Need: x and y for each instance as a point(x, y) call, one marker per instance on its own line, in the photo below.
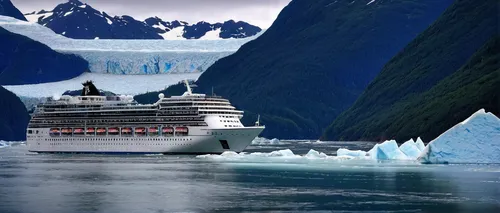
point(8, 9)
point(423, 91)
point(14, 117)
point(25, 61)
point(315, 60)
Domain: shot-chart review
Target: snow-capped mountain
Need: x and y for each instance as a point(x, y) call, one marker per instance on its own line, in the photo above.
point(77, 20)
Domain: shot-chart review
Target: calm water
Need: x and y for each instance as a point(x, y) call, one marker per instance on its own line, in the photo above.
point(96, 183)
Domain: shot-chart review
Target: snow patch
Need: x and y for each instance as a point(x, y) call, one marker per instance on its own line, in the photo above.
point(174, 34)
point(212, 35)
point(370, 2)
point(68, 13)
point(109, 21)
point(34, 17)
point(475, 140)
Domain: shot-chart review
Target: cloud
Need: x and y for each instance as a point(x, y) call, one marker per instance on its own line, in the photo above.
point(257, 12)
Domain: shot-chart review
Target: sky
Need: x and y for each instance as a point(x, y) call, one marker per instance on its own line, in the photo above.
point(257, 12)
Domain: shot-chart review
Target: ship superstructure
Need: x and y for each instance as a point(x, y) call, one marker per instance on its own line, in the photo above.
point(91, 123)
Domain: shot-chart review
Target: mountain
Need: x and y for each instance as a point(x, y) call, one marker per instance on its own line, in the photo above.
point(8, 9)
point(448, 72)
point(77, 20)
point(14, 119)
point(315, 60)
point(25, 61)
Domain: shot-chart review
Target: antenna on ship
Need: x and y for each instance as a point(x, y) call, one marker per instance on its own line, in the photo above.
point(257, 123)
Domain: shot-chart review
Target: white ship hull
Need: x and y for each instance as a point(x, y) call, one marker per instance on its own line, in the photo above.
point(201, 140)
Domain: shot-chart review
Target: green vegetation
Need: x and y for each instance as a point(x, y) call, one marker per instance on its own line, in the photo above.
point(447, 73)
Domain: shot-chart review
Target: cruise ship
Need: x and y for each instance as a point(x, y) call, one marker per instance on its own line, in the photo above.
point(91, 123)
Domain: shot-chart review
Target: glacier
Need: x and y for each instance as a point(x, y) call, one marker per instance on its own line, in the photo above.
point(132, 56)
point(475, 140)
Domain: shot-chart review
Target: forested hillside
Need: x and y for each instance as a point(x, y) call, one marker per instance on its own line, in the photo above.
point(447, 73)
point(315, 60)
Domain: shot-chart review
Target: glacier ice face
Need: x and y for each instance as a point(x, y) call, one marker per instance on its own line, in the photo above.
point(410, 149)
point(475, 140)
point(132, 56)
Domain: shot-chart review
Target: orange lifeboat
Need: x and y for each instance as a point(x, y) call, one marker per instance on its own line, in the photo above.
point(181, 131)
point(78, 131)
point(55, 132)
point(127, 131)
point(90, 131)
point(113, 131)
point(101, 131)
point(153, 131)
point(168, 130)
point(140, 131)
point(66, 131)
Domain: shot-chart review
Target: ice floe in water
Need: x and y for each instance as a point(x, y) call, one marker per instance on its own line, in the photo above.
point(352, 153)
point(280, 156)
point(4, 144)
point(265, 141)
point(475, 140)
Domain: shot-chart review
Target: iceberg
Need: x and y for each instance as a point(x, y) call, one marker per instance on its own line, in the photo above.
point(475, 140)
point(420, 144)
point(388, 150)
point(410, 149)
point(265, 141)
point(352, 153)
point(280, 156)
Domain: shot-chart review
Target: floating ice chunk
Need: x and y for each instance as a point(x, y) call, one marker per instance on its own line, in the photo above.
point(265, 141)
point(387, 150)
point(353, 153)
point(410, 149)
point(475, 140)
point(280, 156)
point(275, 141)
point(313, 154)
point(5, 144)
point(420, 144)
